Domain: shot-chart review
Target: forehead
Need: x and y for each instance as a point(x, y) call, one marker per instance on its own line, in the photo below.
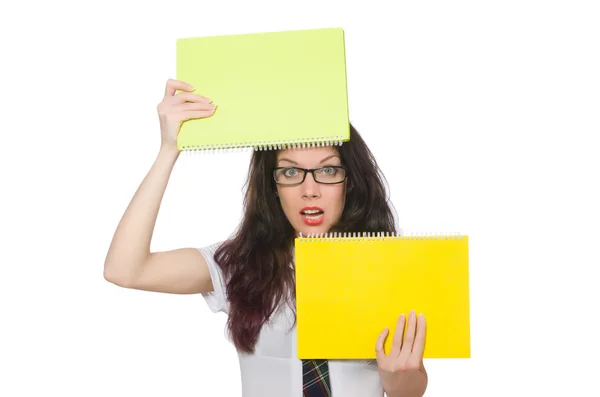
point(308, 155)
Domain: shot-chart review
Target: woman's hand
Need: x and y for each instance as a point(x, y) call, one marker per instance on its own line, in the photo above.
point(177, 108)
point(402, 372)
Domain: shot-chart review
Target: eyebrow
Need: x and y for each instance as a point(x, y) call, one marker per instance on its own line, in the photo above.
point(320, 162)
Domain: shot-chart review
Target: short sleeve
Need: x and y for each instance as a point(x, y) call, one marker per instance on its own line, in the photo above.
point(216, 299)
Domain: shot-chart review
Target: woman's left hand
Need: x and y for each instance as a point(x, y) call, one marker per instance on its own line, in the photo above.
point(402, 371)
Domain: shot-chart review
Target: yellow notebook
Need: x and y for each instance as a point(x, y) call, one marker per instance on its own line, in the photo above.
point(272, 90)
point(349, 288)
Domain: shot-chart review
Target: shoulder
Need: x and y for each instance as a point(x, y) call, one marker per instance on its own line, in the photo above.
point(216, 299)
point(209, 250)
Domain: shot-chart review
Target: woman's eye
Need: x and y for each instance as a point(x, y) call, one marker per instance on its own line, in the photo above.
point(329, 170)
point(290, 172)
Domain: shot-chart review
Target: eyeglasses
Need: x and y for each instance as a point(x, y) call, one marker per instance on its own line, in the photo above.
point(329, 175)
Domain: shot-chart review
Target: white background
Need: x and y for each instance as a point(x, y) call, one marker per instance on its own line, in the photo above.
point(482, 115)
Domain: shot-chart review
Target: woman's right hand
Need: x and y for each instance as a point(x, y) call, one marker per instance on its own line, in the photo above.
point(177, 108)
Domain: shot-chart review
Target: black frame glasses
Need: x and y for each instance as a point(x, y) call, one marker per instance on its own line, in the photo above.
point(309, 170)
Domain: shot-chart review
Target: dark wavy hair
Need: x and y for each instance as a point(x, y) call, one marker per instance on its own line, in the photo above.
point(256, 260)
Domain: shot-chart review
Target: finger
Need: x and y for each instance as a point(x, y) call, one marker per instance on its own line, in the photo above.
point(409, 336)
point(174, 85)
point(189, 97)
point(419, 346)
point(379, 352)
point(196, 114)
point(194, 106)
point(397, 342)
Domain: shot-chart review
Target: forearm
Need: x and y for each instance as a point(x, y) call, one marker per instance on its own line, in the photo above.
point(130, 245)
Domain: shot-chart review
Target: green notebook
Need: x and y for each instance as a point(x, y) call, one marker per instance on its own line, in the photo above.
point(272, 90)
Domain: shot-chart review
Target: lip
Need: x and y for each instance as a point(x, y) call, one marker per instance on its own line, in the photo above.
point(312, 222)
point(313, 207)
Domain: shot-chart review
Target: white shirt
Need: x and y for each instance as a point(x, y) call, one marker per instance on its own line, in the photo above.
point(274, 369)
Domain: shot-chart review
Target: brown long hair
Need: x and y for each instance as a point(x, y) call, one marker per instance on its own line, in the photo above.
point(256, 260)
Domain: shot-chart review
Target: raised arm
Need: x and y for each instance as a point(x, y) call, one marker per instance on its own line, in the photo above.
point(129, 262)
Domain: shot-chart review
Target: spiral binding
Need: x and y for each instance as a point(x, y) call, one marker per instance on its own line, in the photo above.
point(386, 236)
point(298, 143)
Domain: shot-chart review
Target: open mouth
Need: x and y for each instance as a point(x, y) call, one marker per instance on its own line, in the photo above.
point(312, 216)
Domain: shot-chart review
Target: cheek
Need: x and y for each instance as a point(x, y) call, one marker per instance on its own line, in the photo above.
point(337, 198)
point(286, 197)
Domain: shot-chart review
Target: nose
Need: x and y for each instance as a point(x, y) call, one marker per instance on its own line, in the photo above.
point(310, 188)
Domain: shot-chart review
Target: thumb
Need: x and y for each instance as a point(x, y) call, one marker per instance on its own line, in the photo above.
point(379, 352)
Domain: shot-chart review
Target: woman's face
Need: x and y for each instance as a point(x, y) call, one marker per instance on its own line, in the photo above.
point(311, 207)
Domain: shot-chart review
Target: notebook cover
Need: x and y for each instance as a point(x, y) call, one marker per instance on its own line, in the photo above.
point(348, 291)
point(276, 87)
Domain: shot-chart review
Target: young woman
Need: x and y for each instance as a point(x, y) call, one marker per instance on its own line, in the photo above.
point(251, 275)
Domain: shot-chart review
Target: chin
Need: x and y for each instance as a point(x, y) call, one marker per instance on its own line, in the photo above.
point(306, 230)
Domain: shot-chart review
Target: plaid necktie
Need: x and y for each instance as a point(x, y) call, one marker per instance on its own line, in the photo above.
point(315, 378)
